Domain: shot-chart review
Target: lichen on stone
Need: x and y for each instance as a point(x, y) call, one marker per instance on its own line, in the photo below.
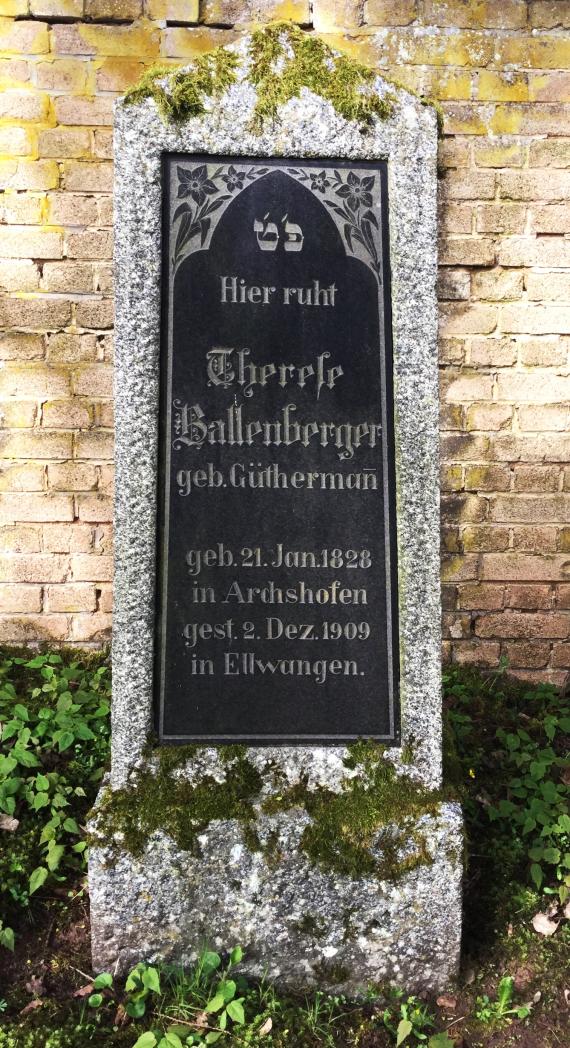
point(282, 61)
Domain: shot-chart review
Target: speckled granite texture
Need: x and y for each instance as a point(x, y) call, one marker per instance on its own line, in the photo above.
point(301, 926)
point(170, 903)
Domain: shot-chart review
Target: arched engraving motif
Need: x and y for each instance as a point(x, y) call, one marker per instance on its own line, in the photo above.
point(207, 190)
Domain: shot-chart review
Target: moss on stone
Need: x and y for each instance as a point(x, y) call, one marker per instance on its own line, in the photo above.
point(366, 829)
point(161, 800)
point(284, 59)
point(180, 94)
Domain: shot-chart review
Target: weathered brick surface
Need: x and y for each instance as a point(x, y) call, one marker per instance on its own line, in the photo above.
point(502, 74)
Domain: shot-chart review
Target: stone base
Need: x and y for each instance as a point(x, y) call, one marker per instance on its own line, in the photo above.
point(301, 926)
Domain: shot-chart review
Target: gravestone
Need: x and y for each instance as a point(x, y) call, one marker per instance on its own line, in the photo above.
point(276, 759)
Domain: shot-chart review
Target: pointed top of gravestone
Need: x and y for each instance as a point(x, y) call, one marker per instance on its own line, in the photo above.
point(274, 67)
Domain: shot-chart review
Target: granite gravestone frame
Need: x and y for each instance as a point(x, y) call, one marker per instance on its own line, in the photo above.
point(171, 425)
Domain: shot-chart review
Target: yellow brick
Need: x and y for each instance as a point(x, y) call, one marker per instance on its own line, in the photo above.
point(67, 277)
point(390, 12)
point(66, 414)
point(497, 285)
point(28, 312)
point(450, 86)
point(441, 84)
point(499, 154)
point(18, 345)
point(24, 105)
point(116, 74)
point(85, 111)
point(236, 12)
point(111, 10)
point(72, 476)
point(17, 141)
point(89, 177)
point(37, 507)
point(56, 8)
point(24, 38)
point(71, 209)
point(140, 41)
point(78, 596)
point(501, 87)
point(475, 14)
point(534, 185)
point(23, 477)
point(331, 14)
point(549, 87)
point(13, 8)
point(63, 74)
point(19, 414)
point(103, 148)
point(462, 119)
point(29, 174)
point(459, 319)
point(20, 598)
point(22, 209)
point(501, 218)
point(544, 52)
point(550, 153)
point(64, 142)
point(173, 10)
point(14, 71)
point(187, 43)
point(434, 48)
point(20, 275)
point(454, 152)
point(530, 119)
point(550, 14)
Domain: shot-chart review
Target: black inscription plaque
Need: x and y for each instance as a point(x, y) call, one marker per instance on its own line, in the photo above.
point(276, 603)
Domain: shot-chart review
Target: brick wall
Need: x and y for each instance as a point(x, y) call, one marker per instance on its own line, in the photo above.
point(501, 70)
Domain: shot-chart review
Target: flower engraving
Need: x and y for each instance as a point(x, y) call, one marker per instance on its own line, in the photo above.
point(352, 202)
point(234, 179)
point(195, 184)
point(356, 191)
point(203, 192)
point(319, 182)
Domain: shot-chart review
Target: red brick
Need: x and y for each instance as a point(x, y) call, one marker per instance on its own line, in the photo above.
point(94, 628)
point(476, 652)
point(70, 597)
point(523, 625)
point(527, 654)
point(561, 656)
point(480, 596)
point(92, 568)
point(20, 538)
point(30, 629)
point(20, 598)
point(34, 567)
point(528, 598)
point(485, 538)
point(509, 567)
